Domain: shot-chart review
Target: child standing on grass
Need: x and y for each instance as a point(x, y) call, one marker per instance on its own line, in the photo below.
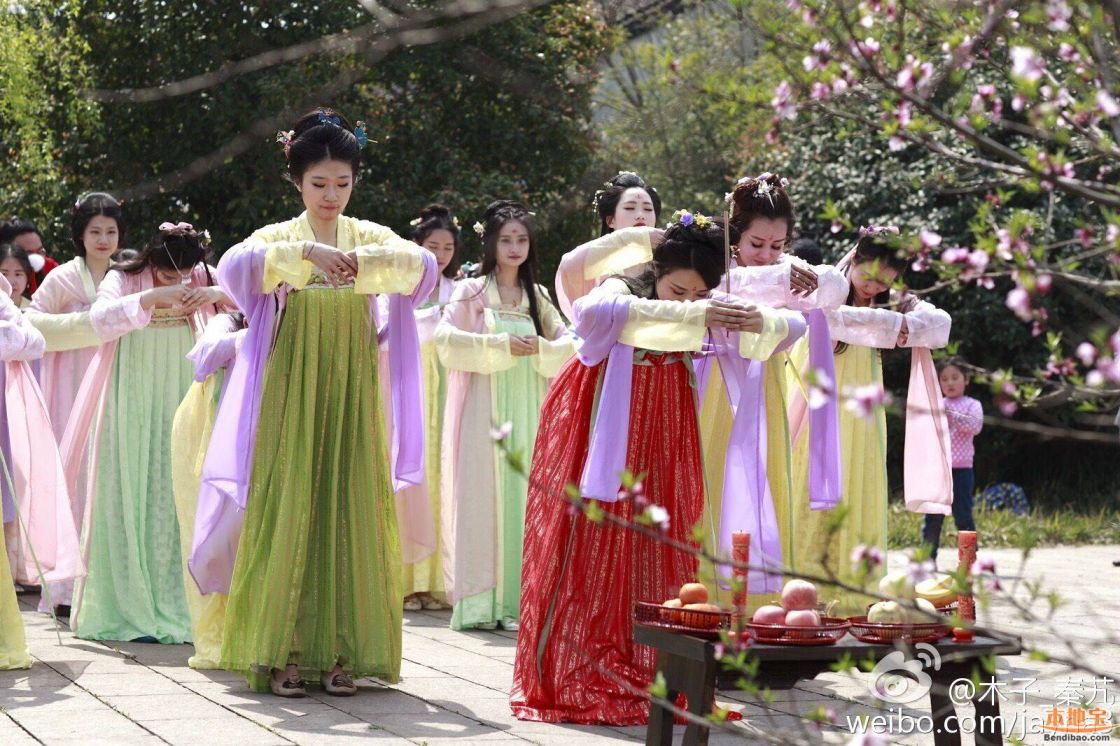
point(966, 418)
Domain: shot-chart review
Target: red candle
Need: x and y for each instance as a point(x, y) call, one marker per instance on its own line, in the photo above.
point(966, 556)
point(740, 555)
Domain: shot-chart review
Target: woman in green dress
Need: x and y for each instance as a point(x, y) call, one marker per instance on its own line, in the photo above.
point(296, 513)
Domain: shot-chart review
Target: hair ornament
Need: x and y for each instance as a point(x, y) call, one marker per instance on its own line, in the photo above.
point(325, 118)
point(687, 218)
point(455, 221)
point(878, 230)
point(360, 133)
point(415, 221)
point(167, 226)
point(480, 229)
point(285, 139)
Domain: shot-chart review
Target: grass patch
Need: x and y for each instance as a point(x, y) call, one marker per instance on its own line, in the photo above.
point(1002, 528)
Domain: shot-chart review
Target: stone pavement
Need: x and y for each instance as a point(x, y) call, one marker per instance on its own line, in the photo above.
point(455, 685)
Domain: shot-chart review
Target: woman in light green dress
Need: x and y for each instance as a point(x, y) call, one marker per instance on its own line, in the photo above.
point(315, 586)
point(502, 340)
point(147, 310)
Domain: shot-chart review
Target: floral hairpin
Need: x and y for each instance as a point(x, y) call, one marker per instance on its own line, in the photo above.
point(480, 229)
point(360, 133)
point(687, 218)
point(877, 230)
point(285, 139)
point(415, 221)
point(325, 118)
point(455, 221)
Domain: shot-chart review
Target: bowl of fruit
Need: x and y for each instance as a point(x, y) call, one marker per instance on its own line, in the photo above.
point(797, 621)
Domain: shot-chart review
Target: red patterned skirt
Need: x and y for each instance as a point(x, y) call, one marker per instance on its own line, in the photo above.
point(576, 658)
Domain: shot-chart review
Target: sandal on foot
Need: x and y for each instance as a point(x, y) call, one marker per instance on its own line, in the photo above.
point(431, 603)
point(338, 684)
point(412, 603)
point(288, 687)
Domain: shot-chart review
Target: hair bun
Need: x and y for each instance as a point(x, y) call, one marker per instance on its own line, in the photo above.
point(499, 206)
point(435, 210)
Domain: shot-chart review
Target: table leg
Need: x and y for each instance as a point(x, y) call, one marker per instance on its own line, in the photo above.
point(941, 710)
point(989, 725)
point(700, 689)
point(659, 731)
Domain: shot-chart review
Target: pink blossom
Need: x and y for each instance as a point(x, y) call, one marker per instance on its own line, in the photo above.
point(903, 114)
point(820, 91)
point(863, 554)
point(820, 388)
point(895, 143)
point(658, 516)
point(1112, 233)
point(1006, 406)
point(502, 432)
point(929, 239)
point(867, 21)
point(1110, 368)
point(781, 103)
point(839, 86)
point(987, 90)
point(1019, 301)
point(1059, 14)
point(916, 572)
point(1084, 236)
point(1114, 342)
point(956, 255)
point(868, 739)
point(1067, 53)
point(1107, 104)
point(1086, 353)
point(1095, 379)
point(869, 47)
point(1043, 283)
point(1026, 64)
point(1018, 102)
point(836, 226)
point(864, 401)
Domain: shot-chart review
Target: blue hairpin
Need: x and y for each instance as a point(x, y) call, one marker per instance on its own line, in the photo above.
point(325, 118)
point(360, 133)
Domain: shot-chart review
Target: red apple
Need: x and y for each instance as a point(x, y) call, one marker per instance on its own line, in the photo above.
point(803, 618)
point(769, 615)
point(799, 594)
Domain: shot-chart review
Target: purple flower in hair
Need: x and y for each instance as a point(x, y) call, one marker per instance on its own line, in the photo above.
point(686, 218)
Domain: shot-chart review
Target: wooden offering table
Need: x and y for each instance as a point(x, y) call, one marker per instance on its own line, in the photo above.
point(689, 666)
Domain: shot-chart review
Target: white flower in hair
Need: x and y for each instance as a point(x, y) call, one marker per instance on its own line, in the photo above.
point(727, 197)
point(763, 188)
point(415, 221)
point(480, 229)
point(455, 221)
point(784, 182)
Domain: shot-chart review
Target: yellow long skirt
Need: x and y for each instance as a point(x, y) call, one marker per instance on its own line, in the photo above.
point(190, 435)
point(13, 641)
point(818, 549)
point(715, 433)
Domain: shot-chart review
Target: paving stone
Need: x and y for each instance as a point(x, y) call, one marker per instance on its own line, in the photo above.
point(226, 730)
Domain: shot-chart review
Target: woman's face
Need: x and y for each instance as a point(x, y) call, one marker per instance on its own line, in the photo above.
point(101, 237)
point(13, 271)
point(165, 277)
point(635, 208)
point(762, 242)
point(681, 284)
point(326, 187)
point(441, 243)
point(513, 244)
point(871, 278)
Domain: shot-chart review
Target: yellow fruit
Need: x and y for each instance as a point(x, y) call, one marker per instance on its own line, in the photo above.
point(887, 612)
point(938, 591)
point(897, 585)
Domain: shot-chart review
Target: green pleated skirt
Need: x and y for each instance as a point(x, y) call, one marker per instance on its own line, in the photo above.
point(317, 576)
point(134, 586)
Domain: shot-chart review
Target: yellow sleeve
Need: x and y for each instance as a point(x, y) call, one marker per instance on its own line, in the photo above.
point(617, 251)
point(387, 263)
point(284, 262)
point(470, 352)
point(761, 345)
point(64, 331)
point(556, 346)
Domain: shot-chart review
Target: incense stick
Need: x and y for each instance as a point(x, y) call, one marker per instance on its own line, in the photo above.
point(727, 252)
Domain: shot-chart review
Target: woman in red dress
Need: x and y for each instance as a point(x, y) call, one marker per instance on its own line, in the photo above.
point(576, 658)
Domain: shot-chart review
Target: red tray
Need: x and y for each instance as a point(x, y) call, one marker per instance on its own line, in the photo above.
point(708, 624)
point(866, 631)
point(830, 631)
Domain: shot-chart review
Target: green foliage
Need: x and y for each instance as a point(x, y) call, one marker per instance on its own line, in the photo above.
point(1002, 528)
point(459, 121)
point(44, 127)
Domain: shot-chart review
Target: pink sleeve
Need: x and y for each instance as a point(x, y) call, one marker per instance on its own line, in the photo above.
point(927, 326)
point(867, 327)
point(117, 310)
point(768, 285)
point(970, 419)
point(19, 340)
